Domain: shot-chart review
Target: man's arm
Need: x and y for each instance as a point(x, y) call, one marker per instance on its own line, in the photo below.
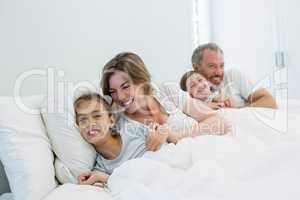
point(261, 98)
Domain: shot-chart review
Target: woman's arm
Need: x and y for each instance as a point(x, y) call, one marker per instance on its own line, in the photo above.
point(211, 123)
point(214, 125)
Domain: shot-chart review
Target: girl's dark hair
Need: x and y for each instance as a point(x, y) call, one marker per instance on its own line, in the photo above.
point(184, 78)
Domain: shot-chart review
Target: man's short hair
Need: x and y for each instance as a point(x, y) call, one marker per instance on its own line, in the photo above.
point(197, 56)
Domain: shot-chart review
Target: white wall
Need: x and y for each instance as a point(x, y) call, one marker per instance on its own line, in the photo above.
point(80, 36)
point(290, 32)
point(251, 31)
point(244, 29)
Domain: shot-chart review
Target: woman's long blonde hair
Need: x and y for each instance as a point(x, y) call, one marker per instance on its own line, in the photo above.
point(131, 64)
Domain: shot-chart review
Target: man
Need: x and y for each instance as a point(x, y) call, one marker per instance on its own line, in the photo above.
point(208, 60)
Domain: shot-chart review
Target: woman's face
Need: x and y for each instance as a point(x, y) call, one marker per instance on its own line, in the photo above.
point(124, 92)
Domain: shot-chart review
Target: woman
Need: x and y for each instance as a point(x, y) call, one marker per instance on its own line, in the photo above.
point(127, 81)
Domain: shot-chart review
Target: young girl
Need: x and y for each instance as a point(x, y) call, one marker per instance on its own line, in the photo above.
point(97, 127)
point(198, 87)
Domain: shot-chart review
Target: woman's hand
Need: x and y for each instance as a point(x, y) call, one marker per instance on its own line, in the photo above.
point(156, 137)
point(92, 177)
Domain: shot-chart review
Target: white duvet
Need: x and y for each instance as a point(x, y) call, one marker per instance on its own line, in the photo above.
point(261, 161)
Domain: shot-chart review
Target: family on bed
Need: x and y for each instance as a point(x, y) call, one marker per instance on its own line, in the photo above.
point(142, 117)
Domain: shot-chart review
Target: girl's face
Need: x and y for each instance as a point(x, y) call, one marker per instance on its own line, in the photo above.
point(125, 93)
point(94, 121)
point(198, 87)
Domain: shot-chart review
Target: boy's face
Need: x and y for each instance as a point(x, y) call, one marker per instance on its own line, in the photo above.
point(198, 87)
point(93, 121)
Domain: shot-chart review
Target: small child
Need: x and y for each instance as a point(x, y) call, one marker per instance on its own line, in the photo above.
point(113, 145)
point(198, 87)
point(97, 126)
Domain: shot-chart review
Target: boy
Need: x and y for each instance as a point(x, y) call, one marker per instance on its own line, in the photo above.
point(198, 87)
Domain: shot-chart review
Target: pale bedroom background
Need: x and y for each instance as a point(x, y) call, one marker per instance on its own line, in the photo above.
point(72, 40)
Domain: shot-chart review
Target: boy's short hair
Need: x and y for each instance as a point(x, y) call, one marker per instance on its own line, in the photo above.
point(88, 97)
point(185, 77)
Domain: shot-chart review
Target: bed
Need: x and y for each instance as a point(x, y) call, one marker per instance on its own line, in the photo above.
point(260, 161)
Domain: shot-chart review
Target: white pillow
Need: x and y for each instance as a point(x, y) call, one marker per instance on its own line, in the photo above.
point(74, 154)
point(63, 173)
point(25, 150)
point(6, 196)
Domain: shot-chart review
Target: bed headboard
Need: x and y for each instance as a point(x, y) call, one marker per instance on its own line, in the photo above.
point(4, 187)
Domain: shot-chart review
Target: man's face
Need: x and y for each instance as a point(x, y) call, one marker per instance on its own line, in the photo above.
point(211, 67)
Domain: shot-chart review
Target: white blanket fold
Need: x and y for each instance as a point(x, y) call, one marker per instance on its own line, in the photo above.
point(258, 162)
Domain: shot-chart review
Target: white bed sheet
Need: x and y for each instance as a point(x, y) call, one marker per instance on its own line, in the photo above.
point(260, 162)
point(78, 192)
